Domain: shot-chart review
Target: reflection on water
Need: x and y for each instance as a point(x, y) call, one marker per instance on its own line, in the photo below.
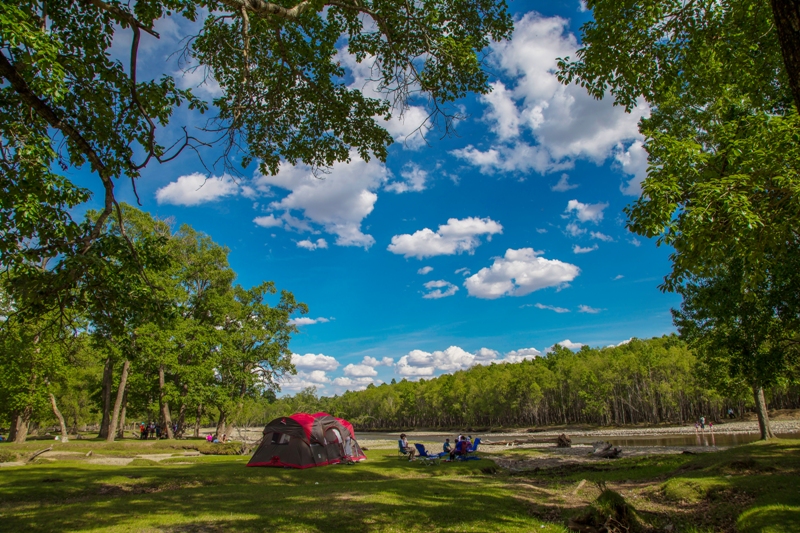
point(701, 438)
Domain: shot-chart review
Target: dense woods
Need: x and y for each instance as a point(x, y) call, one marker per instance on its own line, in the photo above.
point(641, 382)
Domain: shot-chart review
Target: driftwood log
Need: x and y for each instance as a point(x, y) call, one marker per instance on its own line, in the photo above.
point(37, 454)
point(606, 450)
point(563, 441)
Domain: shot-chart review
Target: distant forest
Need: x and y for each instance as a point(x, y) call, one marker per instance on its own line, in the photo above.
point(644, 381)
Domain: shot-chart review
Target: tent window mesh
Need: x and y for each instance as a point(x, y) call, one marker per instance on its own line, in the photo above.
point(280, 438)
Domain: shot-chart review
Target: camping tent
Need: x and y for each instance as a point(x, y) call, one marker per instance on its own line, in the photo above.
point(303, 441)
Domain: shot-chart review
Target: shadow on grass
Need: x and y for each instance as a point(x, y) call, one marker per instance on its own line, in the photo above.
point(380, 494)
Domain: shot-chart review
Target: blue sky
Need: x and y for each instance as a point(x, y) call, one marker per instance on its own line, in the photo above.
point(491, 245)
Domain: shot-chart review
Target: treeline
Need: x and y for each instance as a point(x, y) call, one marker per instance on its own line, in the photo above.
point(147, 324)
point(644, 381)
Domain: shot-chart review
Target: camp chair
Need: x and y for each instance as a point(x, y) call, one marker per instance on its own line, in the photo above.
point(424, 455)
point(401, 453)
point(471, 451)
point(469, 454)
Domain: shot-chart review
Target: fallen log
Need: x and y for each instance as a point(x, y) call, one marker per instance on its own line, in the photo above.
point(563, 441)
point(606, 450)
point(37, 454)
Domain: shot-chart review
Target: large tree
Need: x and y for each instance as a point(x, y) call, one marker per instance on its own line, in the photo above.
point(749, 332)
point(723, 179)
point(67, 103)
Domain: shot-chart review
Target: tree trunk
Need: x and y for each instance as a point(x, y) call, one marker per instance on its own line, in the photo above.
point(19, 425)
point(108, 376)
point(181, 421)
point(786, 14)
point(165, 416)
point(763, 416)
point(121, 430)
point(197, 421)
point(221, 425)
point(64, 435)
point(123, 382)
point(182, 412)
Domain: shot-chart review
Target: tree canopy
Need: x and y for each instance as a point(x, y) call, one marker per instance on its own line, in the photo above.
point(723, 149)
point(67, 103)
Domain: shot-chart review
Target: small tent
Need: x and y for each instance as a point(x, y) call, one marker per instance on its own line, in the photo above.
point(304, 441)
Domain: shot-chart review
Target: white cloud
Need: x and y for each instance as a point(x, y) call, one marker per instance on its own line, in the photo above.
point(586, 212)
point(520, 157)
point(541, 230)
point(502, 114)
point(196, 189)
point(310, 362)
point(563, 184)
point(622, 343)
point(516, 356)
point(349, 383)
point(618, 276)
point(268, 221)
point(587, 309)
point(456, 236)
point(582, 7)
point(636, 242)
point(443, 289)
point(306, 321)
point(601, 236)
point(486, 355)
point(419, 363)
point(464, 271)
point(359, 371)
point(308, 244)
point(568, 344)
point(303, 380)
point(425, 270)
point(518, 273)
point(633, 162)
point(338, 201)
point(581, 250)
point(574, 229)
point(371, 361)
point(414, 179)
point(552, 308)
point(566, 122)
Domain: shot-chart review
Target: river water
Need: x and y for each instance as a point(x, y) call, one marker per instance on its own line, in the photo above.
point(682, 440)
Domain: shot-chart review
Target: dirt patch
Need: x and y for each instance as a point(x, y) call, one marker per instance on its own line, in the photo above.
point(110, 461)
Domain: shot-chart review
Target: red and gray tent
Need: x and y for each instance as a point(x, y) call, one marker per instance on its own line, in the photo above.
point(304, 441)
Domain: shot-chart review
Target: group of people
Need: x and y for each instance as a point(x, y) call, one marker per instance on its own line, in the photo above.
point(701, 424)
point(149, 430)
point(462, 446)
point(214, 440)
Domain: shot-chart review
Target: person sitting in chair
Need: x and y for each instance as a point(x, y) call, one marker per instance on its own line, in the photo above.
point(461, 448)
point(406, 448)
point(446, 447)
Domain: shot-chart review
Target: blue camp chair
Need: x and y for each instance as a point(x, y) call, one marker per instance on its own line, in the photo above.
point(423, 455)
point(471, 451)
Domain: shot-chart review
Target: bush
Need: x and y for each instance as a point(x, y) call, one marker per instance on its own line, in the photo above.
point(7, 456)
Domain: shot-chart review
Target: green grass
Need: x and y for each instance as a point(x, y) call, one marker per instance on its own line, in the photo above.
point(751, 488)
point(381, 494)
point(124, 448)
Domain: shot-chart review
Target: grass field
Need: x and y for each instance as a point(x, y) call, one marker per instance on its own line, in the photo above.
point(750, 488)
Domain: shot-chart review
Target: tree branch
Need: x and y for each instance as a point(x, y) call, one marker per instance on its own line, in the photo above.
point(122, 16)
point(9, 72)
